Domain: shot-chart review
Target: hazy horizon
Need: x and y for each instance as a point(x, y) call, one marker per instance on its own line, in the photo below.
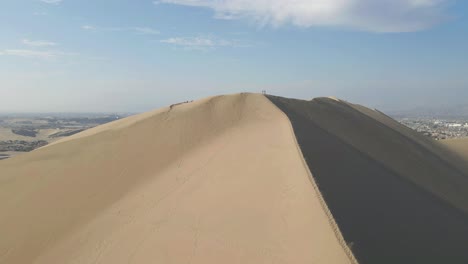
point(126, 56)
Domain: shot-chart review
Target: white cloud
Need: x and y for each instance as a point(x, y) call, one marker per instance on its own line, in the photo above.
point(54, 2)
point(34, 54)
point(201, 43)
point(88, 27)
point(137, 30)
point(368, 15)
point(145, 30)
point(38, 43)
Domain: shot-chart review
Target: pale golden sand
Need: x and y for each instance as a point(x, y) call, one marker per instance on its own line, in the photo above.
point(219, 180)
point(457, 145)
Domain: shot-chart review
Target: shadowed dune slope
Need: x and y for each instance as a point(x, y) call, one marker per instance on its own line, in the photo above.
point(396, 196)
point(219, 180)
point(454, 158)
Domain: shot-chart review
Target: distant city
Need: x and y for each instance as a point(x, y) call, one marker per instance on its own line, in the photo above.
point(437, 128)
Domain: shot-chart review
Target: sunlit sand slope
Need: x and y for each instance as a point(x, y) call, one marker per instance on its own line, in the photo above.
point(396, 196)
point(458, 146)
point(219, 180)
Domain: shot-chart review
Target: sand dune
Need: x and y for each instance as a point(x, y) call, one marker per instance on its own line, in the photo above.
point(242, 178)
point(397, 196)
point(219, 180)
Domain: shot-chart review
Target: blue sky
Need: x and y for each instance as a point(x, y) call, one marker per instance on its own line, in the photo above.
point(97, 55)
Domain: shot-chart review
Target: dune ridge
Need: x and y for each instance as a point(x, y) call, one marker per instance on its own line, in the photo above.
point(219, 180)
point(325, 208)
point(387, 193)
